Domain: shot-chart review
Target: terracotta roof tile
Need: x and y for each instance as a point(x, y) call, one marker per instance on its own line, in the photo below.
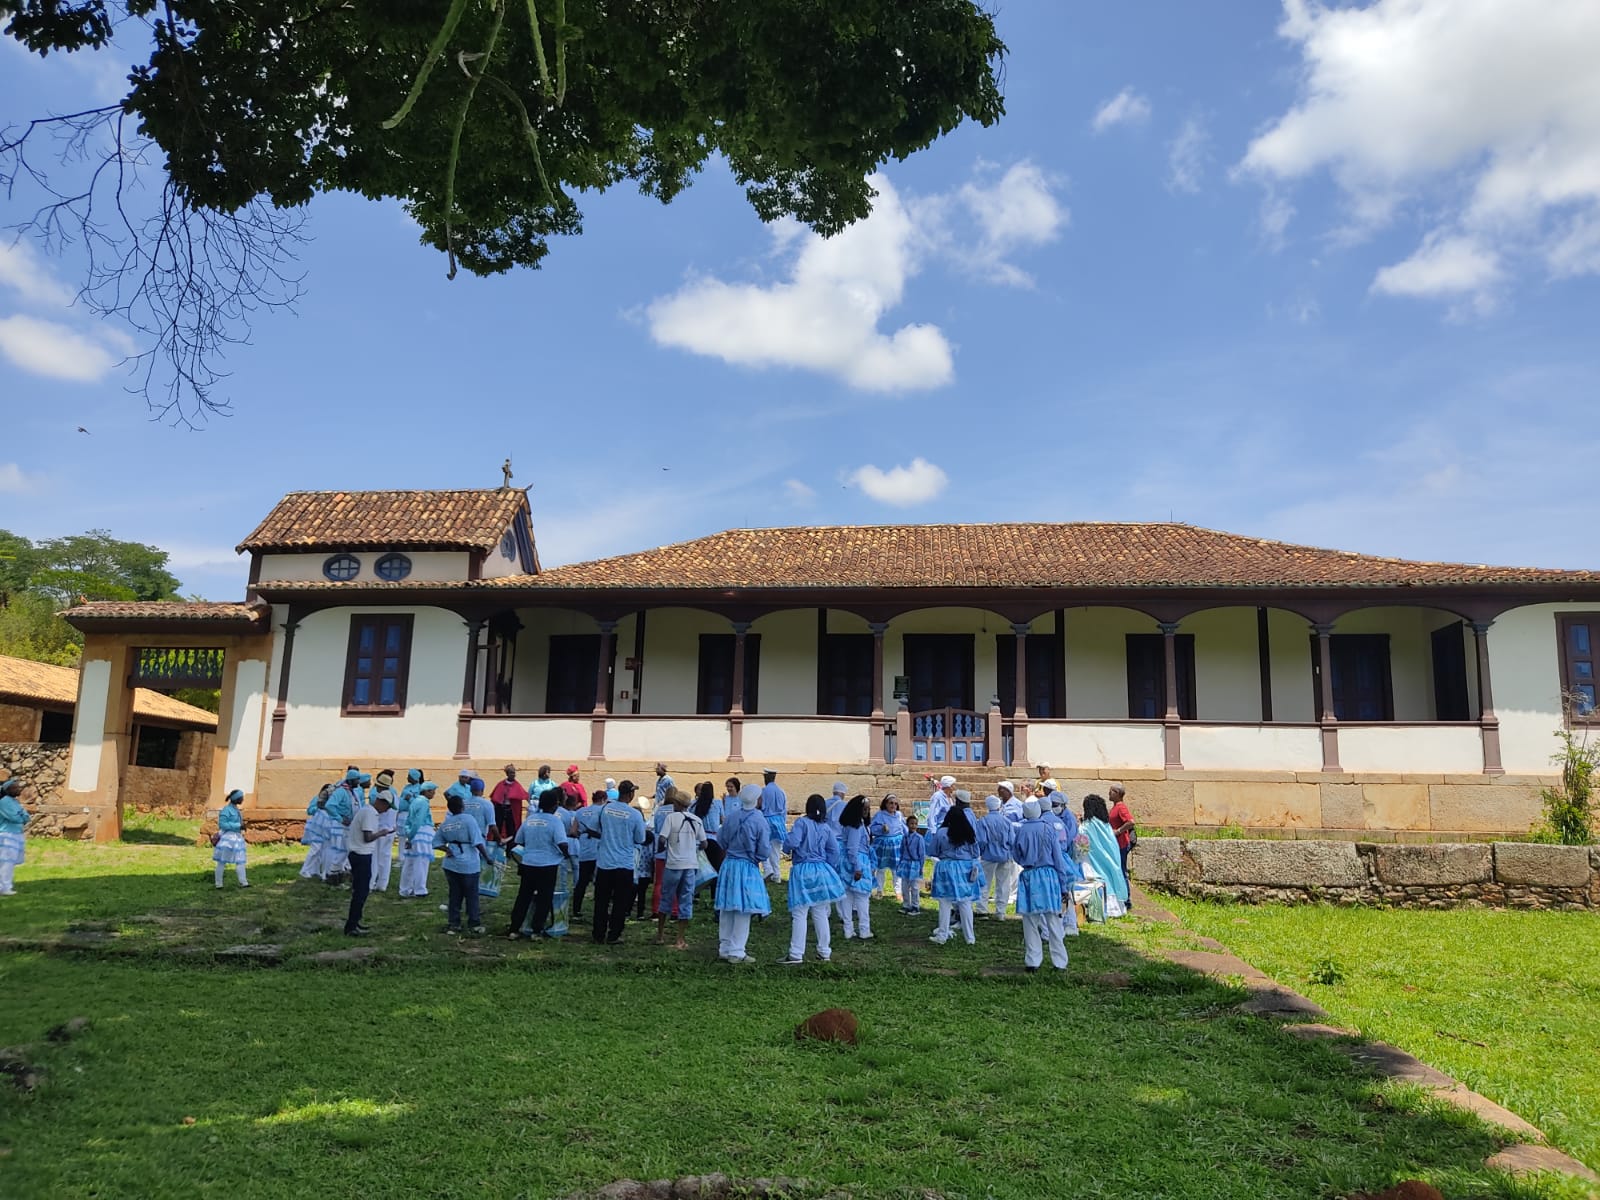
point(36, 683)
point(458, 520)
point(165, 610)
point(1070, 555)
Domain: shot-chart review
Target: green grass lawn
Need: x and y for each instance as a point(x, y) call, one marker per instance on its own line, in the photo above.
point(480, 1067)
point(1507, 1002)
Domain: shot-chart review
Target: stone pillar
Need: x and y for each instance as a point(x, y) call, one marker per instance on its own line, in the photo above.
point(1019, 719)
point(1330, 722)
point(468, 687)
point(102, 726)
point(875, 752)
point(902, 734)
point(1487, 721)
point(994, 736)
point(602, 677)
point(241, 717)
point(280, 712)
point(1171, 732)
point(736, 699)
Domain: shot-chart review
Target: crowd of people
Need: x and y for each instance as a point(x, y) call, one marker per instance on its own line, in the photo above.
point(1025, 851)
point(659, 858)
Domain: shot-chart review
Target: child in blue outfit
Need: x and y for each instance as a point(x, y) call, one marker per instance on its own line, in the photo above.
point(913, 856)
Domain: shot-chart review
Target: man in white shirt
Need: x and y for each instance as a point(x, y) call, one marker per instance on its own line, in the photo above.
point(939, 803)
point(365, 828)
point(683, 835)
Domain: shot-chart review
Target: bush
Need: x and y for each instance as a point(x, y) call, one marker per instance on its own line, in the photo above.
point(1569, 806)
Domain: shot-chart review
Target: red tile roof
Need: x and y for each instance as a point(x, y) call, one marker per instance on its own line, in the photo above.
point(413, 520)
point(1068, 555)
point(37, 684)
point(197, 611)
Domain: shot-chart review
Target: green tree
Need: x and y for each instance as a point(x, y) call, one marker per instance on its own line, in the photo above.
point(485, 118)
point(29, 628)
point(96, 566)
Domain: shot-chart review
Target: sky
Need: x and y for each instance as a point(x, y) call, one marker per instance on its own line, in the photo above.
point(1322, 273)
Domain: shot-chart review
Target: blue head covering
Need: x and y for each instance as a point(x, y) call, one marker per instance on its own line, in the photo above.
point(476, 785)
point(352, 775)
point(429, 788)
point(413, 776)
point(365, 779)
point(234, 797)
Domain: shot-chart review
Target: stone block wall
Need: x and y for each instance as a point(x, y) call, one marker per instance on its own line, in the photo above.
point(1471, 875)
point(41, 764)
point(182, 790)
point(18, 723)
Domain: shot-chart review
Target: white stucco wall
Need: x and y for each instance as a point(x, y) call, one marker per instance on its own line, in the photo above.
point(1227, 670)
point(1109, 745)
point(788, 662)
point(1097, 664)
point(1452, 749)
point(1292, 696)
point(244, 730)
point(530, 681)
point(425, 566)
point(1410, 654)
point(314, 728)
point(640, 739)
point(1250, 748)
point(496, 564)
point(818, 741)
point(1525, 673)
point(555, 740)
point(89, 725)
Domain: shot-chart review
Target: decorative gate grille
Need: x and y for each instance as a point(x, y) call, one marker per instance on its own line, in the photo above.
point(167, 668)
point(954, 735)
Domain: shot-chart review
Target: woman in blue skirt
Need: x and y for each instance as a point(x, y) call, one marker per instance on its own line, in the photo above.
point(859, 870)
point(746, 841)
point(957, 877)
point(887, 832)
point(228, 848)
point(316, 833)
point(13, 824)
point(813, 883)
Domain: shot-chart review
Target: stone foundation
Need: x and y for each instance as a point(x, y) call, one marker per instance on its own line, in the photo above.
point(1477, 875)
point(40, 763)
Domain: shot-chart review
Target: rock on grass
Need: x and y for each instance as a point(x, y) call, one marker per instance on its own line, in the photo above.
point(829, 1025)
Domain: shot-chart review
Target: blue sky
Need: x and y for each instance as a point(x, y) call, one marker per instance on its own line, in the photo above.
point(1320, 274)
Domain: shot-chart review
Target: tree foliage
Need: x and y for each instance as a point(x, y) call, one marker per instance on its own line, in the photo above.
point(37, 579)
point(487, 118)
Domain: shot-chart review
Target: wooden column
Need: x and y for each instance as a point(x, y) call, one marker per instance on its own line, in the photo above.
point(736, 700)
point(468, 687)
point(875, 752)
point(280, 712)
point(1171, 735)
point(1264, 657)
point(1487, 721)
point(602, 678)
point(1019, 718)
point(1330, 722)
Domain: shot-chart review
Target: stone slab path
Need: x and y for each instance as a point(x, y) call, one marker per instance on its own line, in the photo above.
point(1301, 1018)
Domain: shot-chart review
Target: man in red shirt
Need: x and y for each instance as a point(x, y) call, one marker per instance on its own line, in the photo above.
point(574, 789)
point(1122, 825)
point(508, 798)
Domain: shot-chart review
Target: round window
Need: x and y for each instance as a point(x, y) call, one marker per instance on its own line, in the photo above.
point(341, 567)
point(393, 567)
point(508, 546)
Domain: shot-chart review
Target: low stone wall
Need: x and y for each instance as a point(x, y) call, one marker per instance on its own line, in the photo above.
point(1467, 875)
point(42, 764)
point(184, 789)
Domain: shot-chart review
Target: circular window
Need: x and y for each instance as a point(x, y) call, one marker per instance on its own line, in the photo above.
point(341, 567)
point(392, 567)
point(508, 545)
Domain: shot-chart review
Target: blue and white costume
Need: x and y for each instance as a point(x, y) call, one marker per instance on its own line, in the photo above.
point(230, 847)
point(418, 854)
point(341, 811)
point(813, 884)
point(858, 877)
point(887, 831)
point(314, 837)
point(745, 838)
point(957, 882)
point(389, 827)
point(908, 870)
point(1105, 861)
point(1046, 877)
point(13, 847)
point(995, 832)
point(775, 808)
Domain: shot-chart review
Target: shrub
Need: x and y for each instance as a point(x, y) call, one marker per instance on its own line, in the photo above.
point(1569, 806)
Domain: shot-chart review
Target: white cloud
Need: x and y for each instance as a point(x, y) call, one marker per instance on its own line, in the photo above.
point(1186, 156)
point(54, 350)
point(1127, 107)
point(1442, 266)
point(799, 492)
point(828, 314)
point(904, 486)
point(1487, 111)
point(12, 478)
point(23, 271)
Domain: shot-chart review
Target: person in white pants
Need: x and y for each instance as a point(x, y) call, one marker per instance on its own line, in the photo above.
point(389, 822)
point(316, 833)
point(813, 883)
point(229, 846)
point(859, 873)
point(1043, 890)
point(419, 842)
point(740, 893)
point(13, 827)
point(994, 852)
point(957, 876)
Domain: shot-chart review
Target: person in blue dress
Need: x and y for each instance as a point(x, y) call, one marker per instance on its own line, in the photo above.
point(586, 835)
point(401, 806)
point(859, 870)
point(315, 835)
point(229, 848)
point(1105, 855)
point(957, 876)
point(775, 808)
point(836, 803)
point(540, 846)
point(709, 807)
point(908, 869)
point(13, 823)
point(1043, 889)
point(461, 839)
point(813, 883)
point(887, 831)
point(419, 841)
point(341, 809)
point(994, 852)
point(745, 837)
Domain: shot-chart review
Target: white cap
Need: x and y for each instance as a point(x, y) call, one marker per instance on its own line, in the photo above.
point(1030, 809)
point(1006, 783)
point(611, 783)
point(947, 781)
point(992, 804)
